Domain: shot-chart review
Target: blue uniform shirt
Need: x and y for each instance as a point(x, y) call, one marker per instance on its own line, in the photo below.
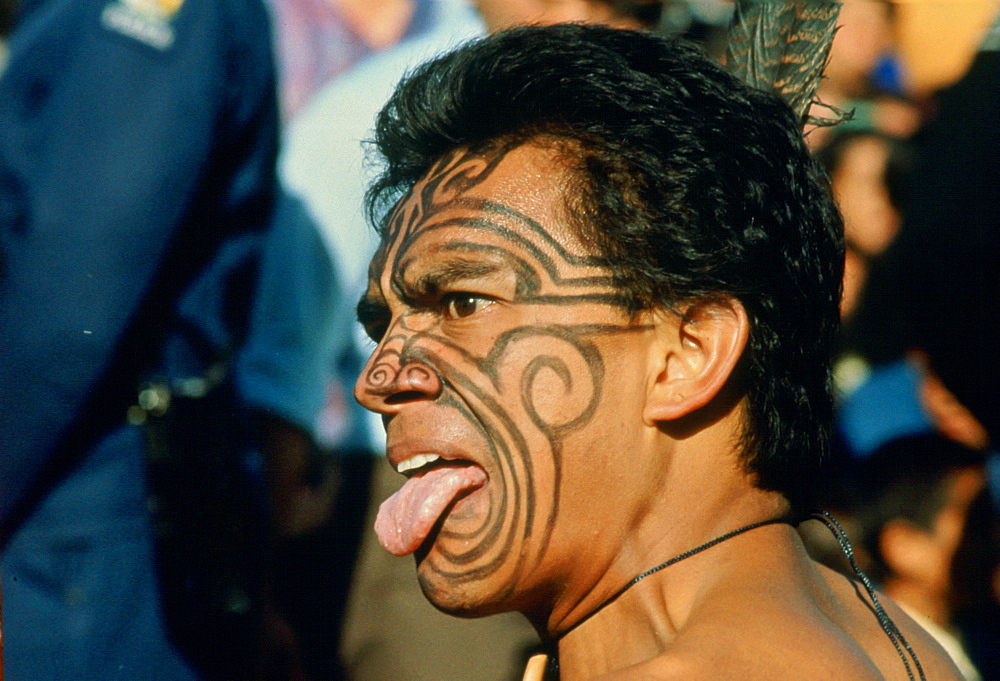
point(126, 126)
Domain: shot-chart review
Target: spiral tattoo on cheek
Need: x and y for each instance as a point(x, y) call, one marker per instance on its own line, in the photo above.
point(554, 375)
point(520, 398)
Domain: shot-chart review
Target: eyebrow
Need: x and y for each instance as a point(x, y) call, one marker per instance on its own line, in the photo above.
point(444, 274)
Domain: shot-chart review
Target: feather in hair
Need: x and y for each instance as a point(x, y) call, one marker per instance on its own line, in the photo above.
point(783, 46)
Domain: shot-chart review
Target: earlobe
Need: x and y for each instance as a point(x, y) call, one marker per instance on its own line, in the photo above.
point(700, 351)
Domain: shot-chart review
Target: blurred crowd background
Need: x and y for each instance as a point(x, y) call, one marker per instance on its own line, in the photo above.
point(186, 484)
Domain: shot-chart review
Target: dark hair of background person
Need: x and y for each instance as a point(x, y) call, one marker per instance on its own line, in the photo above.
point(865, 240)
point(978, 558)
point(691, 185)
point(906, 479)
point(7, 10)
point(975, 584)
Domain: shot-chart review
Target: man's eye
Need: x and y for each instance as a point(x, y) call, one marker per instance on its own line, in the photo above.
point(460, 305)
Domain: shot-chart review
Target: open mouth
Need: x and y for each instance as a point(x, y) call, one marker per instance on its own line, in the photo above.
point(417, 463)
point(434, 485)
point(420, 464)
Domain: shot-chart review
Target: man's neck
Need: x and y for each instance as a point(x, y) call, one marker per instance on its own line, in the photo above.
point(643, 622)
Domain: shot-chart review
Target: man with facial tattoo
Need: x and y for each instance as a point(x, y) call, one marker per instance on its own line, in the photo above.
point(604, 304)
point(390, 632)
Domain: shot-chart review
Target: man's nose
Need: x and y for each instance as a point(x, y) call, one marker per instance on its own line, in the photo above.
point(394, 377)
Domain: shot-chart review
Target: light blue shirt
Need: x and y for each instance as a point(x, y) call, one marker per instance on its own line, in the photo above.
point(324, 158)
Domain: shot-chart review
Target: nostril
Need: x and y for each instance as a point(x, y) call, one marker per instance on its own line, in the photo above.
point(405, 396)
point(416, 377)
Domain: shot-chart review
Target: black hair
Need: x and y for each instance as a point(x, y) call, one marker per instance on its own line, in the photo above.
point(691, 184)
point(907, 479)
point(977, 560)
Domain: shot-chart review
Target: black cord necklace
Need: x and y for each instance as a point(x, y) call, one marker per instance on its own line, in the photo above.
point(888, 626)
point(676, 559)
point(554, 660)
point(902, 646)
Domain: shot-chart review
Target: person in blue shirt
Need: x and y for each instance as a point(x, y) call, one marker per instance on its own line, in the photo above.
point(139, 211)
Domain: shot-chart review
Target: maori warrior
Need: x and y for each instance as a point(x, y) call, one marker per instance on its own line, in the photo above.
point(604, 310)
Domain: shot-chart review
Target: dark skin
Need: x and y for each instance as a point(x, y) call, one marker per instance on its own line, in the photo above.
point(609, 442)
point(487, 259)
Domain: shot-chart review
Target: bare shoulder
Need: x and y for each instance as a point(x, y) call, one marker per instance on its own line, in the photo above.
point(851, 610)
point(752, 655)
point(832, 634)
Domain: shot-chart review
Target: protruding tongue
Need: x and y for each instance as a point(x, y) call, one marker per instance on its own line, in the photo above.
point(408, 516)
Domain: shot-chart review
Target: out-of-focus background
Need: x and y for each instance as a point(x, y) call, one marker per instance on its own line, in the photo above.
point(186, 484)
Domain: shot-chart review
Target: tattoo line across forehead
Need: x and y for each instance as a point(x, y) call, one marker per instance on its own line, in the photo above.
point(523, 242)
point(543, 271)
point(485, 239)
point(451, 176)
point(500, 260)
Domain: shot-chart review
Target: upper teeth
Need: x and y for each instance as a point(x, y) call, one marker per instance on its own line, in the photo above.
point(416, 462)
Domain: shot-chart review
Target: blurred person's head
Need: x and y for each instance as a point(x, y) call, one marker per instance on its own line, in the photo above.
point(637, 14)
point(863, 76)
point(868, 172)
point(864, 36)
point(378, 23)
point(915, 496)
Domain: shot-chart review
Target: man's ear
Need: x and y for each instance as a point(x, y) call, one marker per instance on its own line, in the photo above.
point(700, 350)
